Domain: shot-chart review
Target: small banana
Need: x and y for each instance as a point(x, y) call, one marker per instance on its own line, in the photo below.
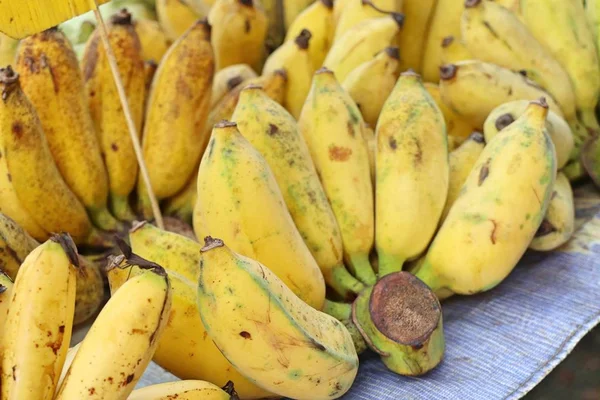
point(371, 83)
point(474, 88)
point(454, 50)
point(175, 17)
point(457, 127)
point(559, 223)
point(318, 20)
point(293, 57)
point(227, 79)
point(291, 10)
point(306, 354)
point(153, 39)
point(183, 390)
point(333, 128)
point(90, 291)
point(500, 208)
point(172, 140)
point(6, 285)
point(234, 176)
point(558, 129)
point(39, 322)
point(413, 37)
point(361, 42)
point(357, 11)
point(239, 29)
point(182, 204)
point(412, 168)
point(15, 245)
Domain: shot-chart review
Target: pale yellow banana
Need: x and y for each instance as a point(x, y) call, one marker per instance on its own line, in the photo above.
point(8, 49)
point(182, 204)
point(153, 39)
point(414, 32)
point(227, 79)
point(15, 245)
point(457, 127)
point(6, 285)
point(338, 8)
point(369, 136)
point(181, 390)
point(175, 17)
point(357, 11)
point(454, 50)
point(291, 10)
point(67, 364)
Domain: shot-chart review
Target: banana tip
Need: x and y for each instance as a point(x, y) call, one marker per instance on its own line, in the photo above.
point(8, 75)
point(229, 388)
point(541, 102)
point(122, 17)
point(472, 3)
point(448, 71)
point(252, 86)
point(3, 288)
point(225, 124)
point(234, 81)
point(447, 41)
point(66, 242)
point(323, 70)
point(282, 73)
point(247, 3)
point(327, 3)
point(393, 52)
point(477, 137)
point(398, 18)
point(137, 225)
point(211, 243)
point(410, 72)
point(503, 121)
point(303, 39)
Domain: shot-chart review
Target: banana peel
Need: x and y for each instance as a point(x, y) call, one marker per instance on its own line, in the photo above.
point(590, 158)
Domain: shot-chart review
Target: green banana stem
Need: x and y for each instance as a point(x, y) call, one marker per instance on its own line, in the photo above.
point(340, 311)
point(344, 283)
point(388, 264)
point(103, 219)
point(425, 273)
point(362, 269)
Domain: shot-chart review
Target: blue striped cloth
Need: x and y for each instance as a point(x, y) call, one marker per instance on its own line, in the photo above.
point(502, 343)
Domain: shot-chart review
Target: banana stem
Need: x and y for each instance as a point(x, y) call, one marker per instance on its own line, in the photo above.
point(124, 103)
point(361, 266)
point(339, 311)
point(389, 264)
point(343, 282)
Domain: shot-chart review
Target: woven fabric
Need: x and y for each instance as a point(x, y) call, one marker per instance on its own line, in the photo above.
point(500, 344)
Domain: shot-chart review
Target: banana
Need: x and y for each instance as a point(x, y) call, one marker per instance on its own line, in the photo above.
point(361, 42)
point(272, 131)
point(369, 136)
point(15, 245)
point(291, 10)
point(176, 115)
point(589, 161)
point(333, 128)
point(500, 208)
point(306, 354)
point(357, 11)
point(239, 29)
point(6, 285)
point(457, 127)
point(371, 83)
point(39, 322)
point(318, 20)
point(227, 79)
point(592, 12)
point(51, 79)
point(234, 176)
point(182, 390)
point(175, 17)
point(461, 162)
point(150, 68)
point(90, 291)
point(413, 37)
point(153, 39)
point(276, 29)
point(558, 129)
point(497, 36)
point(182, 204)
point(412, 168)
point(8, 49)
point(67, 364)
point(141, 307)
point(454, 50)
point(559, 223)
point(444, 21)
point(338, 8)
point(474, 88)
point(294, 59)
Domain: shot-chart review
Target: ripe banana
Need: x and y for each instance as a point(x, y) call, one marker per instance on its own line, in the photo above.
point(558, 129)
point(502, 205)
point(294, 59)
point(371, 83)
point(6, 286)
point(227, 79)
point(90, 291)
point(414, 32)
point(338, 8)
point(67, 364)
point(333, 128)
point(306, 354)
point(291, 10)
point(51, 79)
point(182, 204)
point(357, 11)
point(318, 20)
point(141, 307)
point(474, 88)
point(275, 24)
point(497, 36)
point(239, 29)
point(153, 39)
point(15, 245)
point(182, 390)
point(361, 42)
point(242, 187)
point(461, 162)
point(272, 131)
point(176, 115)
point(369, 137)
point(8, 49)
point(412, 168)
point(39, 322)
point(559, 223)
point(457, 127)
point(454, 50)
point(175, 17)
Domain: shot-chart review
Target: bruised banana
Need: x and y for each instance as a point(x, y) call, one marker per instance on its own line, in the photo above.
point(176, 115)
point(454, 50)
point(474, 88)
point(182, 204)
point(15, 245)
point(357, 11)
point(500, 208)
point(322, 362)
point(6, 285)
point(39, 322)
point(239, 29)
point(183, 390)
point(558, 129)
point(412, 168)
point(175, 17)
point(51, 79)
point(371, 83)
point(293, 57)
point(234, 181)
point(341, 156)
point(153, 39)
point(414, 32)
point(559, 223)
point(274, 133)
point(456, 126)
point(227, 79)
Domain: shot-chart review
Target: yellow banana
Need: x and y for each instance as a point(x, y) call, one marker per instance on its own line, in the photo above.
point(150, 68)
point(67, 364)
point(461, 162)
point(6, 286)
point(39, 322)
point(293, 57)
point(559, 223)
point(454, 50)
point(318, 20)
point(497, 36)
point(474, 88)
point(444, 21)
point(276, 29)
point(306, 354)
point(412, 168)
point(153, 39)
point(558, 129)
point(8, 49)
point(182, 390)
point(175, 17)
point(361, 42)
point(333, 128)
point(338, 8)
point(369, 136)
point(51, 79)
point(227, 79)
point(239, 29)
point(357, 11)
point(457, 127)
point(176, 115)
point(291, 10)
point(141, 307)
point(371, 83)
point(272, 131)
point(182, 204)
point(90, 291)
point(414, 32)
point(502, 205)
point(592, 12)
point(15, 245)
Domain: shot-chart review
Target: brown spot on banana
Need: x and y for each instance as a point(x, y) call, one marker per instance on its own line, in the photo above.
point(233, 82)
point(246, 335)
point(477, 137)
point(494, 229)
point(273, 129)
point(545, 228)
point(484, 172)
point(247, 26)
point(448, 72)
point(303, 39)
point(447, 41)
point(503, 121)
point(337, 153)
point(393, 143)
point(17, 129)
point(350, 127)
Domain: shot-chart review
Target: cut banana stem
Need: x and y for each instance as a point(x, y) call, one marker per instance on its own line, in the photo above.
point(400, 319)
